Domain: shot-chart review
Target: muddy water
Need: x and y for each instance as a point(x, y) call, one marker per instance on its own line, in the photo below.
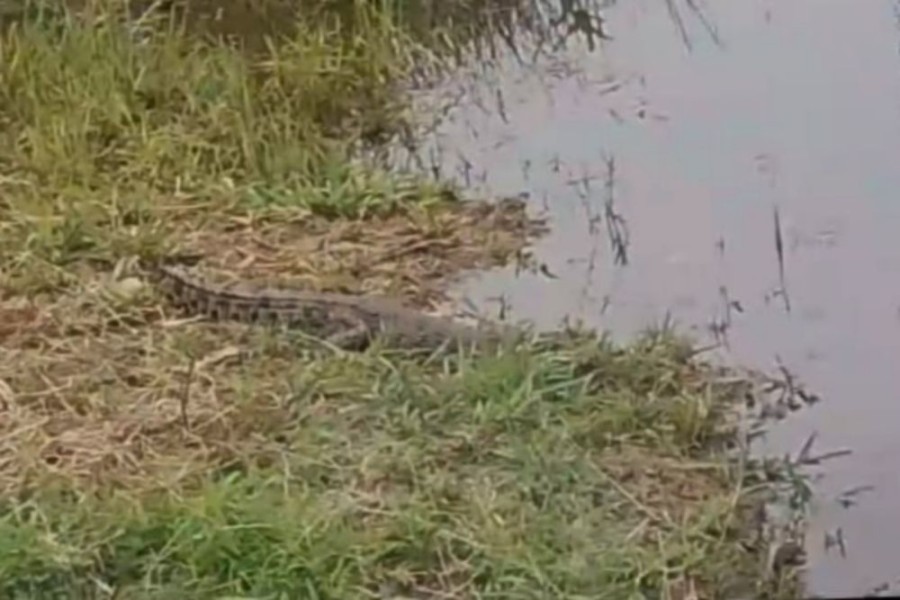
point(790, 104)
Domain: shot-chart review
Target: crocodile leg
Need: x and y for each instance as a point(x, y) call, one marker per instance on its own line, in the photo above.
point(356, 337)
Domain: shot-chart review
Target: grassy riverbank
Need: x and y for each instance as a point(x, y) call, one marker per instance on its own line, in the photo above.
point(146, 456)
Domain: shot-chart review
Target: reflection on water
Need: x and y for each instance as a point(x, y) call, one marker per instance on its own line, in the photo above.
point(754, 151)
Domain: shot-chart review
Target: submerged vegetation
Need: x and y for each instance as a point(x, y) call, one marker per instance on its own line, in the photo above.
point(143, 456)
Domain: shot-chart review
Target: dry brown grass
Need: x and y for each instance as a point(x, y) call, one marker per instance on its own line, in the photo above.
point(94, 376)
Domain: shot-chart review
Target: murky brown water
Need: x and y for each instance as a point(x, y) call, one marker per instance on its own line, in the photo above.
point(797, 106)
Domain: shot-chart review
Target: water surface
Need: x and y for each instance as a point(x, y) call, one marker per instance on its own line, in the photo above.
point(792, 104)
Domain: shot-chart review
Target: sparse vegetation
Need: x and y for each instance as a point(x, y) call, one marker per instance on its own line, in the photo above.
point(147, 457)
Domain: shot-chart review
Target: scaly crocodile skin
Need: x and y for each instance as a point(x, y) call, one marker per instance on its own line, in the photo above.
point(350, 322)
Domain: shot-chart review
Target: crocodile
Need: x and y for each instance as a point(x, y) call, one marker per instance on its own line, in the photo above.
point(345, 321)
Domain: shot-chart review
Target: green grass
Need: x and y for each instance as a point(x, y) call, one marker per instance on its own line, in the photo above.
point(107, 139)
point(588, 472)
point(142, 457)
